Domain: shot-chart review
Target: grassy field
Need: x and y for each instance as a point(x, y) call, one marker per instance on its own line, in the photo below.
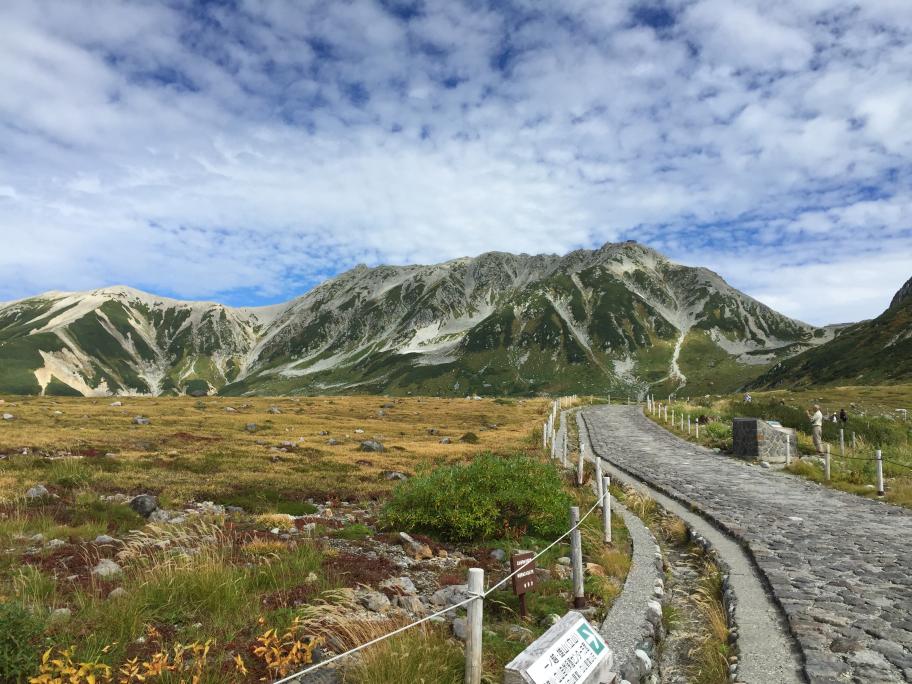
point(872, 417)
point(234, 595)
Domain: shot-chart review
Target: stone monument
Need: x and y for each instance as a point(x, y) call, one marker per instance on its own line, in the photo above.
point(763, 440)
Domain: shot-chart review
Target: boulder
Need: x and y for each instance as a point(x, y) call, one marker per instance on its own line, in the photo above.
point(451, 595)
point(372, 445)
point(116, 403)
point(104, 539)
point(521, 634)
point(460, 629)
point(275, 410)
point(332, 442)
point(59, 616)
point(116, 593)
point(37, 492)
point(394, 475)
point(595, 569)
point(106, 568)
point(411, 605)
point(446, 440)
point(140, 420)
point(8, 416)
point(498, 554)
point(144, 504)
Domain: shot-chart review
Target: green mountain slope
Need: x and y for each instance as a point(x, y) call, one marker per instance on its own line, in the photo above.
point(620, 317)
point(878, 351)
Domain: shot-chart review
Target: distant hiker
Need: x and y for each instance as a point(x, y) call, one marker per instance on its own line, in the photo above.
point(843, 416)
point(747, 398)
point(816, 427)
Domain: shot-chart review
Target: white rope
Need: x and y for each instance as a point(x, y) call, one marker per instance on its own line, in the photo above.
point(550, 546)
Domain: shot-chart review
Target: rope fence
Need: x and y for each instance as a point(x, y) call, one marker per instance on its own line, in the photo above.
point(602, 499)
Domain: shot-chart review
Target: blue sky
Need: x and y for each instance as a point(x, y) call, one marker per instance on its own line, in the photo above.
point(244, 151)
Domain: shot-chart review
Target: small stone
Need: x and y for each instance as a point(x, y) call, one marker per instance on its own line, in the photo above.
point(654, 612)
point(311, 578)
point(394, 475)
point(595, 569)
point(521, 634)
point(564, 560)
point(8, 416)
point(140, 420)
point(230, 409)
point(107, 568)
point(460, 629)
point(104, 539)
point(116, 593)
point(446, 440)
point(116, 403)
point(411, 604)
point(764, 464)
point(144, 504)
point(251, 427)
point(37, 492)
point(60, 616)
point(498, 554)
point(549, 620)
point(442, 553)
point(332, 442)
point(274, 410)
point(234, 509)
point(644, 663)
point(56, 543)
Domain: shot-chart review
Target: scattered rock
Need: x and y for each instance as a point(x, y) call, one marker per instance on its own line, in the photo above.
point(381, 413)
point(332, 442)
point(230, 409)
point(116, 403)
point(251, 427)
point(499, 555)
point(375, 602)
point(104, 539)
point(107, 568)
point(442, 553)
point(8, 416)
point(234, 509)
point(37, 492)
point(160, 515)
point(764, 464)
point(451, 595)
point(399, 585)
point(550, 620)
point(595, 569)
point(521, 634)
point(843, 645)
point(56, 543)
point(411, 604)
point(394, 475)
point(275, 410)
point(116, 593)
point(469, 438)
point(359, 431)
point(644, 663)
point(561, 572)
point(446, 440)
point(433, 431)
point(564, 560)
point(141, 420)
point(371, 445)
point(144, 504)
point(60, 616)
point(460, 629)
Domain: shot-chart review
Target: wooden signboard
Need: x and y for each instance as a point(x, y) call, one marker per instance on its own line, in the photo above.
point(525, 579)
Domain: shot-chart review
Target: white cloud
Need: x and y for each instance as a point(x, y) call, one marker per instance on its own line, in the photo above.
point(201, 152)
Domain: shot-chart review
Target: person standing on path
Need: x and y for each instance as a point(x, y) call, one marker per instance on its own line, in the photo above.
point(817, 427)
point(843, 416)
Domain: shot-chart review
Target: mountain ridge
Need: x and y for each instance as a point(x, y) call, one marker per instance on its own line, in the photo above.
point(622, 315)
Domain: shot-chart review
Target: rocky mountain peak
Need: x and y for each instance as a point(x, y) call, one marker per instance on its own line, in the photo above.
point(903, 295)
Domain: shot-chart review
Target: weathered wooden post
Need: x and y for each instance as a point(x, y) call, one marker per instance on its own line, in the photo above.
point(688, 423)
point(697, 428)
point(580, 467)
point(606, 508)
point(853, 441)
point(880, 482)
point(474, 614)
point(682, 422)
point(841, 442)
point(788, 450)
point(672, 417)
point(598, 478)
point(826, 464)
point(576, 558)
point(666, 414)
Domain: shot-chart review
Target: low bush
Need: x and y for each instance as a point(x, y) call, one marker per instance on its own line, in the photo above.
point(20, 635)
point(490, 497)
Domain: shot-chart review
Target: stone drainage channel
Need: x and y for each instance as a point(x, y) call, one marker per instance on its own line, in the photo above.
point(767, 651)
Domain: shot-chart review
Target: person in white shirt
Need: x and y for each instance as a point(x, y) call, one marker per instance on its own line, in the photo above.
point(817, 427)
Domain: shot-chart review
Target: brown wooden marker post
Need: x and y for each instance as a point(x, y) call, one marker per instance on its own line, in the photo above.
point(525, 580)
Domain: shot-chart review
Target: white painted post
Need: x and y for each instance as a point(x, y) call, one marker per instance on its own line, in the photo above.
point(606, 508)
point(666, 414)
point(841, 442)
point(688, 423)
point(576, 557)
point(788, 450)
point(580, 467)
point(682, 422)
point(826, 464)
point(475, 611)
point(672, 417)
point(880, 482)
point(598, 480)
point(697, 427)
point(545, 436)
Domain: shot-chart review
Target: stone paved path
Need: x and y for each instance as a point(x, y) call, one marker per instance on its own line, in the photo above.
point(840, 566)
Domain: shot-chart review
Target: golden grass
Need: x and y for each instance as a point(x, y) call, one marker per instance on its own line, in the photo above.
point(197, 449)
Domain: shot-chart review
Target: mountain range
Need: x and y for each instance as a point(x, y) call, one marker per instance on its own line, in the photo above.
point(619, 318)
point(867, 353)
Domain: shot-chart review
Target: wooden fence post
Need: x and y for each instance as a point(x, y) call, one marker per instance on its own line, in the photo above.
point(598, 479)
point(474, 615)
point(880, 482)
point(826, 464)
point(576, 558)
point(606, 508)
point(697, 428)
point(841, 442)
point(580, 467)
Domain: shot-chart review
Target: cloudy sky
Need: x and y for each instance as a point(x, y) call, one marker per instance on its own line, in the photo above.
point(243, 151)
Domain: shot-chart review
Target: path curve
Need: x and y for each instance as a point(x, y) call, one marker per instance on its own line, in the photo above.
point(838, 565)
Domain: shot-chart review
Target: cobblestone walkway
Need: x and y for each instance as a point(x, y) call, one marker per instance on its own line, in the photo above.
point(839, 565)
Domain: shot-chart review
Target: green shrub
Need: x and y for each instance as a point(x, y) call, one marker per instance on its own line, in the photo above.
point(469, 438)
point(20, 633)
point(491, 497)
